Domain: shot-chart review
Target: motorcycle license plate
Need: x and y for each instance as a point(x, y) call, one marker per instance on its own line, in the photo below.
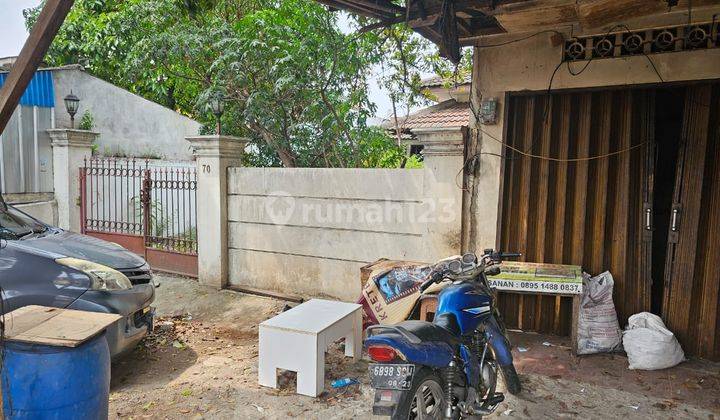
point(391, 376)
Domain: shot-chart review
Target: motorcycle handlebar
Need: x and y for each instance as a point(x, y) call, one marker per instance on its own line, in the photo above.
point(510, 254)
point(434, 278)
point(426, 284)
point(499, 255)
point(439, 275)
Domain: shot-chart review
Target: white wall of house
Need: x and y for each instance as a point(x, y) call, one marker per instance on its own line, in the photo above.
point(128, 124)
point(25, 152)
point(528, 66)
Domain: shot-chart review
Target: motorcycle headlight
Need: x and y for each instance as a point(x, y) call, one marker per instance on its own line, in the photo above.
point(103, 277)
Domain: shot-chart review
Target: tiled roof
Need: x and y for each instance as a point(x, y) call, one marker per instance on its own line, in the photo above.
point(445, 114)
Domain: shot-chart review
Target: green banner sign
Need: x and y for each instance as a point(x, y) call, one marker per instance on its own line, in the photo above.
point(538, 278)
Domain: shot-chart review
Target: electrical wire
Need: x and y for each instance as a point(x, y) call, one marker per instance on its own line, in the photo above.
point(512, 41)
point(570, 71)
point(587, 63)
point(564, 160)
point(526, 153)
point(574, 73)
point(657, 72)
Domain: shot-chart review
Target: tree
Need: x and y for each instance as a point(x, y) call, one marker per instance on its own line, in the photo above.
point(296, 86)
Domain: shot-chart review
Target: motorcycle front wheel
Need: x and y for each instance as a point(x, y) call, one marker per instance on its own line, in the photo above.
point(512, 382)
point(424, 400)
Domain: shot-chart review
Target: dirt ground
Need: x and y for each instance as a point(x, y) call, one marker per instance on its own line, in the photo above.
point(201, 362)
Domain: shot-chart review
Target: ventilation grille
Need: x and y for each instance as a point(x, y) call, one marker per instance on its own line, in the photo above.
point(650, 41)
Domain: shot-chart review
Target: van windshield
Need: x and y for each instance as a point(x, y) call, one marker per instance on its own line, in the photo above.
point(15, 224)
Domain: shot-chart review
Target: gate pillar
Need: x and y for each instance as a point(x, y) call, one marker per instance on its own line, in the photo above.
point(443, 162)
point(213, 155)
point(70, 149)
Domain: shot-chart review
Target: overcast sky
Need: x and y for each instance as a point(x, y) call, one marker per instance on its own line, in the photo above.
point(12, 25)
point(13, 35)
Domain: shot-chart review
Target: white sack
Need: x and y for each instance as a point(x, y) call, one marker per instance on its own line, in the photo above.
point(649, 344)
point(598, 327)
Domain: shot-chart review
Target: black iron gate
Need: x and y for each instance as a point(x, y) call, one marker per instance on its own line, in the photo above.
point(149, 208)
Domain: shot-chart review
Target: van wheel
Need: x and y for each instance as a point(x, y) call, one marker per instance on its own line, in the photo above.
point(424, 400)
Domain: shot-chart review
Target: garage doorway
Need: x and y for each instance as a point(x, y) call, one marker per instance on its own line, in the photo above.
point(668, 130)
point(648, 211)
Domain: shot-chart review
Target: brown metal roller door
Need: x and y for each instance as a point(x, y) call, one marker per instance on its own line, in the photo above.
point(692, 270)
point(588, 213)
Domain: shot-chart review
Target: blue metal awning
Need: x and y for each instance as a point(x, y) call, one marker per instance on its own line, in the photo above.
point(39, 92)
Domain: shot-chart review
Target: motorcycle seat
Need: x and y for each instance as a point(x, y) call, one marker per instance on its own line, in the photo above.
point(441, 329)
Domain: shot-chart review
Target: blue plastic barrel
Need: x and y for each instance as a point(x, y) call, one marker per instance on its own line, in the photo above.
point(49, 382)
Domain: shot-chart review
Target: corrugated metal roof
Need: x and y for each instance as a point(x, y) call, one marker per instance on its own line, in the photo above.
point(39, 92)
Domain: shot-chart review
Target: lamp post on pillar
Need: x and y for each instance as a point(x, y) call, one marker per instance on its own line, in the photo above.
point(213, 156)
point(72, 103)
point(217, 105)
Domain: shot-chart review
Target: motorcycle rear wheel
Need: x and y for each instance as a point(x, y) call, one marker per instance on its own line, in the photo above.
point(424, 400)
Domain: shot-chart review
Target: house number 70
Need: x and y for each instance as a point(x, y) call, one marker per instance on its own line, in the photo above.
point(206, 169)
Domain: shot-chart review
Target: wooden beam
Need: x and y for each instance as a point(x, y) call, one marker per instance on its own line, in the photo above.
point(479, 33)
point(367, 8)
point(41, 36)
point(418, 10)
point(478, 6)
point(422, 16)
point(430, 33)
point(355, 8)
point(373, 26)
point(465, 26)
point(414, 23)
point(384, 6)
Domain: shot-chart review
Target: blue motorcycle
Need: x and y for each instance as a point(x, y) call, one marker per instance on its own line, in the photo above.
point(446, 368)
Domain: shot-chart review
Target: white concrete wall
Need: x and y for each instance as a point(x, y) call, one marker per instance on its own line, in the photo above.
point(308, 231)
point(45, 211)
point(128, 124)
point(528, 65)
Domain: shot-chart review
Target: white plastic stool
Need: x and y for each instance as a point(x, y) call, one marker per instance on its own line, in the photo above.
point(297, 339)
